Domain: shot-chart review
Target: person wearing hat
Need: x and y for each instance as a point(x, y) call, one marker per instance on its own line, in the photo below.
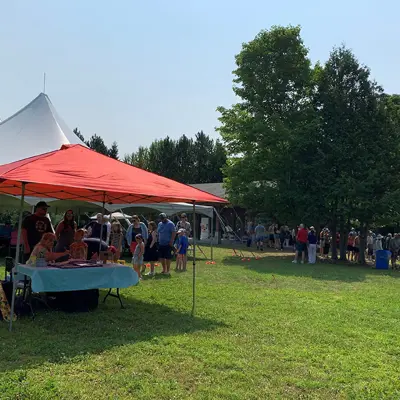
point(181, 257)
point(166, 236)
point(378, 243)
point(33, 228)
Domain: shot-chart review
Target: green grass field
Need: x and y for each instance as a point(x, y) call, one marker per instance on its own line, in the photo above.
point(264, 329)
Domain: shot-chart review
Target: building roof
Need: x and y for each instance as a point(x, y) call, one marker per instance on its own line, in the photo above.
point(217, 189)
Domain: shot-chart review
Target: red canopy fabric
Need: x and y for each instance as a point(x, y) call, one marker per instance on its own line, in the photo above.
point(76, 172)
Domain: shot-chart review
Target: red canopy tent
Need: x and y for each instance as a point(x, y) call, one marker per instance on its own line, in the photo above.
point(76, 172)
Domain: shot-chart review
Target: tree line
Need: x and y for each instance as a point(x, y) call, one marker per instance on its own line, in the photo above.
point(308, 143)
point(187, 160)
point(96, 143)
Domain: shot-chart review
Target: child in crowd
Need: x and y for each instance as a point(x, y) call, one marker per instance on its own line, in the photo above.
point(137, 260)
point(42, 252)
point(79, 248)
point(116, 239)
point(181, 257)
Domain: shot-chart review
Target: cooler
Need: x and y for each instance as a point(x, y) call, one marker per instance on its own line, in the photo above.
point(382, 259)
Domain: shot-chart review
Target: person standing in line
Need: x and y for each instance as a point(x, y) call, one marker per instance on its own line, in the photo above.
point(294, 235)
point(312, 246)
point(287, 237)
point(357, 247)
point(151, 251)
point(166, 236)
point(116, 238)
point(97, 228)
point(136, 228)
point(301, 242)
point(277, 242)
point(33, 228)
point(350, 246)
point(271, 230)
point(65, 232)
point(260, 235)
point(183, 223)
point(282, 237)
point(378, 243)
point(137, 259)
point(181, 257)
point(250, 233)
point(394, 248)
point(370, 245)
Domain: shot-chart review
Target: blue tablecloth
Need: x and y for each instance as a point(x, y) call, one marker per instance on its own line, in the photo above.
point(50, 279)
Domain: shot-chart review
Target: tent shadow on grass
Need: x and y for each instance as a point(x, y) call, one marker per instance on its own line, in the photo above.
point(57, 337)
point(282, 265)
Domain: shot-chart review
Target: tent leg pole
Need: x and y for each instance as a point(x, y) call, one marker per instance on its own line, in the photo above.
point(102, 222)
point(194, 260)
point(212, 237)
point(17, 253)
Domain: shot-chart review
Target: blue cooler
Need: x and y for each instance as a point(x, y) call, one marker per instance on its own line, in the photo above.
point(382, 259)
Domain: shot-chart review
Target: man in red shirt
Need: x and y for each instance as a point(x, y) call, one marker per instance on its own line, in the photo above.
point(301, 243)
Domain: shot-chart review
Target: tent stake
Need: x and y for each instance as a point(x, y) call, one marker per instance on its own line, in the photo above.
point(194, 260)
point(17, 252)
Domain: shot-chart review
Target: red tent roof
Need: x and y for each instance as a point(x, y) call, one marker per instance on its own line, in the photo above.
point(76, 172)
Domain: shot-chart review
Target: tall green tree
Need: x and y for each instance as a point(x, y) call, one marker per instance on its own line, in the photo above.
point(113, 151)
point(185, 160)
point(273, 121)
point(96, 143)
point(79, 134)
point(358, 142)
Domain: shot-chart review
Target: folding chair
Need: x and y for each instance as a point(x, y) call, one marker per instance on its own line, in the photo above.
point(10, 264)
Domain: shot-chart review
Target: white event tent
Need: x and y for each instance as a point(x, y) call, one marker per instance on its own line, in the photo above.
point(35, 129)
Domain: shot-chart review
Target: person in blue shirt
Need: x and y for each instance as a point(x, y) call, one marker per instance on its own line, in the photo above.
point(166, 236)
point(312, 246)
point(181, 257)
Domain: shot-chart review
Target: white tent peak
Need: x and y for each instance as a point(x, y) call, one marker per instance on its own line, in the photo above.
point(35, 129)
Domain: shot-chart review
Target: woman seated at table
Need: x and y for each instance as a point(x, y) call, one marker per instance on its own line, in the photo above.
point(79, 248)
point(42, 252)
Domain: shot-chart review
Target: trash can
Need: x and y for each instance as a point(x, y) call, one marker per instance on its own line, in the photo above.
point(382, 259)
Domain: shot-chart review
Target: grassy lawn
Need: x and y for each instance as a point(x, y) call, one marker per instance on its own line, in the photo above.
point(265, 329)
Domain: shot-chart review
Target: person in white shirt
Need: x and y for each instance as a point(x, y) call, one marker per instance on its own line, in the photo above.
point(370, 245)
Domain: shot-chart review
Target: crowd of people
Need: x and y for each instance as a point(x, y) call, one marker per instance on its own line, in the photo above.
point(307, 243)
point(149, 244)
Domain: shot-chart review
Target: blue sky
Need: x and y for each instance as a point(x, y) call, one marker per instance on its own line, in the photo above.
point(135, 71)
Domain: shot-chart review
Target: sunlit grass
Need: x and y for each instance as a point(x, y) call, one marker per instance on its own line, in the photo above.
point(264, 329)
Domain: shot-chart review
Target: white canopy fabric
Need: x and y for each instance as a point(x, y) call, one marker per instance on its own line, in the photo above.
point(115, 215)
point(8, 201)
point(167, 208)
point(35, 129)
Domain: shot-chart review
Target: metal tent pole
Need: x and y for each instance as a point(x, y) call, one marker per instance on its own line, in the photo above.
point(17, 253)
point(212, 236)
point(194, 259)
point(102, 222)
